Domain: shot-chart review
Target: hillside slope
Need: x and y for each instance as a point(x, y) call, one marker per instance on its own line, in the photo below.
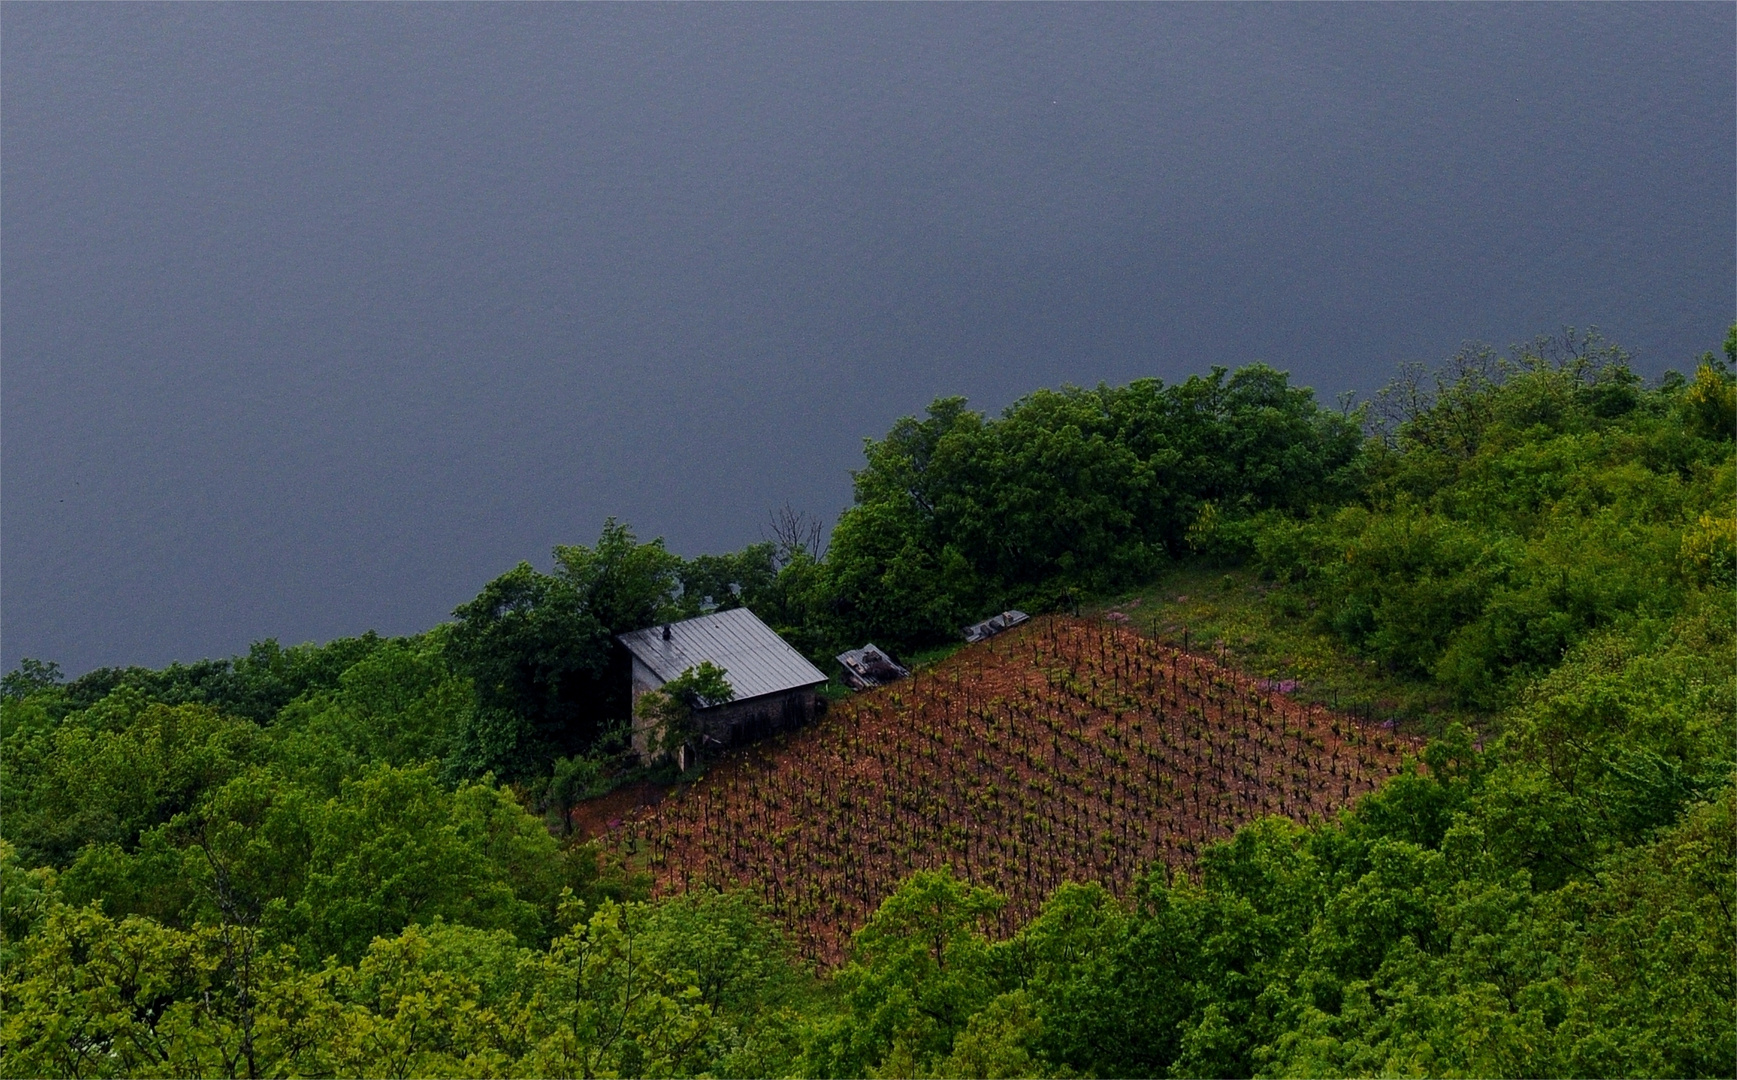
point(1065, 750)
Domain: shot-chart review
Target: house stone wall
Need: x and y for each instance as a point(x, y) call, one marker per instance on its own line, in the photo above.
point(741, 722)
point(736, 722)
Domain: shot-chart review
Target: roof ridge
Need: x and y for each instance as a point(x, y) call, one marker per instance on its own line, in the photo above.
point(756, 661)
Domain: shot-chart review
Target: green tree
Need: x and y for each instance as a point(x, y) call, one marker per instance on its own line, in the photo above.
point(540, 651)
point(30, 677)
point(109, 773)
point(1517, 507)
point(394, 848)
point(1073, 490)
point(400, 705)
point(254, 686)
point(93, 997)
point(533, 652)
point(603, 1008)
point(919, 970)
point(1000, 1040)
point(624, 584)
point(668, 715)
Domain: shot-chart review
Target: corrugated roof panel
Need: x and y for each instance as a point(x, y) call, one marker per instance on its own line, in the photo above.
point(755, 660)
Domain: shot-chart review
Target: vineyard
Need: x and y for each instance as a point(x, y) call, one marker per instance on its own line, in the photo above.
point(1065, 750)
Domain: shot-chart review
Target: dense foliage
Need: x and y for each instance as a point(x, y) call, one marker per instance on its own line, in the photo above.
point(957, 516)
point(1520, 507)
point(319, 860)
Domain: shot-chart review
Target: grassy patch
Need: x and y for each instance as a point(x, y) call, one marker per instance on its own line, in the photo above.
point(834, 689)
point(1267, 631)
point(932, 656)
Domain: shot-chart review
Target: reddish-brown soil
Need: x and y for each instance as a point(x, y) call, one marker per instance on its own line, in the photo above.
point(1064, 750)
point(594, 817)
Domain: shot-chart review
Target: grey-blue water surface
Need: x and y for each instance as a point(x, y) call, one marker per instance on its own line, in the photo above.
point(316, 317)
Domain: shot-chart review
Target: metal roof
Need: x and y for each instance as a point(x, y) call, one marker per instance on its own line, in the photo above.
point(755, 660)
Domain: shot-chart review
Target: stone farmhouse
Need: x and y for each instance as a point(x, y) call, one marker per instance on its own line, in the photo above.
point(775, 686)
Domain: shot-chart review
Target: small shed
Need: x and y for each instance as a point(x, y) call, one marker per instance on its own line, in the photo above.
point(869, 667)
point(989, 627)
point(775, 685)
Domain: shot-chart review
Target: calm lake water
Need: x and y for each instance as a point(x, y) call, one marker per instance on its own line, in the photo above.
point(317, 317)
